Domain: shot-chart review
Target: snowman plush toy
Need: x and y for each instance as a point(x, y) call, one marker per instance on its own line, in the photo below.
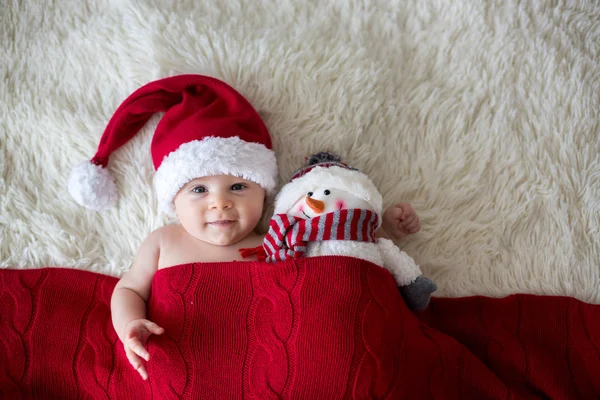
point(330, 208)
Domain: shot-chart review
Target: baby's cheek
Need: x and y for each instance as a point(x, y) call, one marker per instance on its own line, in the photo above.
point(340, 205)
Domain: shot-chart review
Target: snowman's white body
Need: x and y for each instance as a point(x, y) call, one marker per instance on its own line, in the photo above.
point(383, 252)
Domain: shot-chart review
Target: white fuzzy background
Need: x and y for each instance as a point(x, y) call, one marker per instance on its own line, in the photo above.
point(483, 114)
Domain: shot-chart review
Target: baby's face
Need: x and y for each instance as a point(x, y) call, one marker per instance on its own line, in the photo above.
point(221, 209)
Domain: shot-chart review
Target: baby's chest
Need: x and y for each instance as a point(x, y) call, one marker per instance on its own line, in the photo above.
point(184, 252)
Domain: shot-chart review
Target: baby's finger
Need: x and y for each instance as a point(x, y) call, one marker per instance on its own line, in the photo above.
point(137, 363)
point(396, 213)
point(414, 227)
point(133, 358)
point(408, 211)
point(154, 328)
point(413, 219)
point(143, 373)
point(136, 346)
point(408, 221)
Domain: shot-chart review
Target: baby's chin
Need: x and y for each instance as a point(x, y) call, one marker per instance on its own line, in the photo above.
point(226, 239)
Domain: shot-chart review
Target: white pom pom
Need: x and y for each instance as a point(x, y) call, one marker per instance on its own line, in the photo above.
point(92, 186)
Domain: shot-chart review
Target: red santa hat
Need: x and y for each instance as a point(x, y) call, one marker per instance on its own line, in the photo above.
point(208, 129)
point(327, 169)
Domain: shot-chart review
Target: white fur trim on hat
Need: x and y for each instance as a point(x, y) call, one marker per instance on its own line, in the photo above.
point(351, 181)
point(213, 156)
point(92, 186)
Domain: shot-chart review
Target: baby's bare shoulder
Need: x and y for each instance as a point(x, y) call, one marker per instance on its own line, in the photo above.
point(167, 233)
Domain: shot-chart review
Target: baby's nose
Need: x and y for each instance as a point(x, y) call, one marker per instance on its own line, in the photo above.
point(220, 202)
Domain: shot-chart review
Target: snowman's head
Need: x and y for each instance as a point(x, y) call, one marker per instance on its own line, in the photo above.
point(327, 185)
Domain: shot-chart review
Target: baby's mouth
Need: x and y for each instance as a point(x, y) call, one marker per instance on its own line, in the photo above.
point(222, 222)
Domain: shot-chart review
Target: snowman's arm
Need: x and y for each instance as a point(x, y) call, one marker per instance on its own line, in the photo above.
point(401, 265)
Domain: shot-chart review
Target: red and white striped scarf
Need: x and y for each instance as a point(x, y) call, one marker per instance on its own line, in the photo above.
point(288, 236)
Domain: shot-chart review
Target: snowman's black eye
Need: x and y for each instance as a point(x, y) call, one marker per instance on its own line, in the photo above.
point(327, 192)
point(310, 194)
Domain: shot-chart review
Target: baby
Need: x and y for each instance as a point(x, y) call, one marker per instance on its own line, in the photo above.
point(215, 169)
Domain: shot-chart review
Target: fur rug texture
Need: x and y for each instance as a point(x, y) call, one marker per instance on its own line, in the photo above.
point(483, 115)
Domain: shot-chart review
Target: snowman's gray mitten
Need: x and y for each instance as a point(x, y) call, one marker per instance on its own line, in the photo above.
point(418, 293)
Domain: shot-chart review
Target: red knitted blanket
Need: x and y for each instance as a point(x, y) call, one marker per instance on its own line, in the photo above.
point(312, 328)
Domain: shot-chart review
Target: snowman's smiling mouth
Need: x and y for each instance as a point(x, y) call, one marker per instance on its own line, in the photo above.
point(307, 216)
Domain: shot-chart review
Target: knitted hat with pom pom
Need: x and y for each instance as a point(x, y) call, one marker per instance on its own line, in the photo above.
point(208, 129)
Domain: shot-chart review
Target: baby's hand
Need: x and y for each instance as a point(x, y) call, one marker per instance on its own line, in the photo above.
point(136, 336)
point(400, 220)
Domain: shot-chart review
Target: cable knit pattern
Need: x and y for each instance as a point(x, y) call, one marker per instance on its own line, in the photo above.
point(314, 328)
point(273, 320)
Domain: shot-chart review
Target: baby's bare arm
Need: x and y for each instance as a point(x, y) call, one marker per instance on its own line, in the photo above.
point(131, 293)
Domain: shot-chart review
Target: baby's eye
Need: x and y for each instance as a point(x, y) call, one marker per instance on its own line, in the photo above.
point(199, 189)
point(327, 192)
point(238, 186)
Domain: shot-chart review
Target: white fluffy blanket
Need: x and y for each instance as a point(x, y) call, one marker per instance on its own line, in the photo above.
point(483, 115)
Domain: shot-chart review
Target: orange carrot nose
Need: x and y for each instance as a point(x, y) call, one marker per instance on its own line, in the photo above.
point(316, 205)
